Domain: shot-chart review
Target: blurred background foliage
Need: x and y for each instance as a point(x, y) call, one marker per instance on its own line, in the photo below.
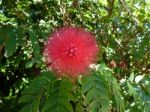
point(121, 80)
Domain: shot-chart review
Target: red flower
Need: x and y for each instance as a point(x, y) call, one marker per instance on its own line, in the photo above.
point(122, 64)
point(112, 64)
point(70, 51)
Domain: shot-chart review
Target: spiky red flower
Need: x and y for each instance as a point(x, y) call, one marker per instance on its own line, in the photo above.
point(70, 51)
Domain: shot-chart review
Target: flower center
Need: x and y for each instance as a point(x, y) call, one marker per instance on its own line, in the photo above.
point(71, 51)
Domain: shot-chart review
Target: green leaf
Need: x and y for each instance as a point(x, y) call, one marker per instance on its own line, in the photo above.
point(29, 64)
point(88, 83)
point(96, 93)
point(140, 95)
point(10, 46)
point(27, 98)
point(8, 38)
point(33, 94)
point(20, 31)
point(113, 86)
point(116, 92)
point(34, 40)
point(26, 108)
point(90, 95)
point(59, 95)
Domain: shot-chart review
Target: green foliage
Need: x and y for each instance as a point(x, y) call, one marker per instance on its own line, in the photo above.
point(113, 87)
point(33, 94)
point(140, 93)
point(8, 39)
point(45, 93)
point(101, 90)
point(96, 93)
point(58, 97)
point(121, 28)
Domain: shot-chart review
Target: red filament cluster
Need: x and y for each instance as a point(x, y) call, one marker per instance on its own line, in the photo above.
point(70, 51)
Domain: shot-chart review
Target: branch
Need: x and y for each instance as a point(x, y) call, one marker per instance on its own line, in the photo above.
point(110, 6)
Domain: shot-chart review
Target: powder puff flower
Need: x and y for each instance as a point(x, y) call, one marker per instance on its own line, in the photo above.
point(70, 50)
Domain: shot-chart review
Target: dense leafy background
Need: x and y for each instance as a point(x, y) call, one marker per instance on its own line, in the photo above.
point(121, 79)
